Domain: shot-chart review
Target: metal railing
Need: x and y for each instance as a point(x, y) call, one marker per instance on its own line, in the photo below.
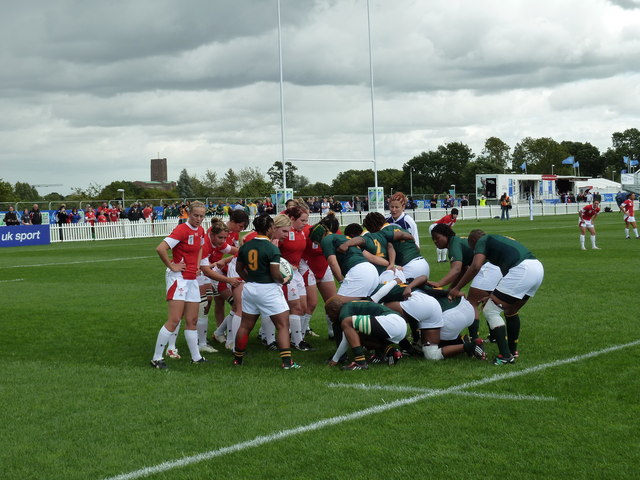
point(124, 229)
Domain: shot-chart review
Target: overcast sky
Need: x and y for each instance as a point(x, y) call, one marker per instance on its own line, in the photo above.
point(91, 90)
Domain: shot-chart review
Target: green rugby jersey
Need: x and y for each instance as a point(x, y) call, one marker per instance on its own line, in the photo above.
point(502, 251)
point(459, 251)
point(363, 307)
point(352, 257)
point(376, 244)
point(258, 254)
point(406, 250)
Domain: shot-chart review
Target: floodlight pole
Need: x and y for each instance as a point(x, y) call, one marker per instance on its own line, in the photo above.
point(122, 190)
point(373, 118)
point(284, 166)
point(411, 182)
point(552, 166)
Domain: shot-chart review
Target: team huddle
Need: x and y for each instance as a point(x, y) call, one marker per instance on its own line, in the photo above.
point(380, 302)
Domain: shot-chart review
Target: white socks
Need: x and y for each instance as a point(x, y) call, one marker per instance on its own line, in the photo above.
point(202, 327)
point(582, 242)
point(231, 336)
point(295, 325)
point(192, 342)
point(163, 339)
point(174, 337)
point(306, 319)
point(268, 330)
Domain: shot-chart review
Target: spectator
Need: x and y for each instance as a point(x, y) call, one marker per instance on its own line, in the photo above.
point(36, 215)
point(433, 202)
point(102, 217)
point(325, 206)
point(357, 205)
point(505, 206)
point(147, 211)
point(26, 218)
point(74, 216)
point(90, 216)
point(464, 201)
point(135, 213)
point(113, 214)
point(348, 207)
point(61, 218)
point(11, 217)
point(336, 206)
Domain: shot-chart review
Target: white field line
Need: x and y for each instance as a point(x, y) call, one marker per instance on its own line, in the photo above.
point(264, 439)
point(14, 280)
point(391, 388)
point(79, 262)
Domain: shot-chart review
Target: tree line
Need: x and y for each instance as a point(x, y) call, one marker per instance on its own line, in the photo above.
point(429, 172)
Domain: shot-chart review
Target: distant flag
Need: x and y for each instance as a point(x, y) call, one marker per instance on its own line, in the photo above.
point(626, 159)
point(577, 164)
point(568, 161)
point(633, 163)
point(523, 166)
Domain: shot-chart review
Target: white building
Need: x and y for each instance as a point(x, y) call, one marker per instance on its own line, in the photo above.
point(543, 187)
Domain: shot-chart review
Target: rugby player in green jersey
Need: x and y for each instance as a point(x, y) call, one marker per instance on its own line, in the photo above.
point(259, 266)
point(522, 276)
point(379, 326)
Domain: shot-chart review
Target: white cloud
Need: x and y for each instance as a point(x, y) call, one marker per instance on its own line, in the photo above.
point(91, 90)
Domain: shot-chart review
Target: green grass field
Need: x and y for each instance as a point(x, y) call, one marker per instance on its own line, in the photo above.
point(80, 401)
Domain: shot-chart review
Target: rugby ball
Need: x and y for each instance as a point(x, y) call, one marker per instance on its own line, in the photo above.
point(286, 270)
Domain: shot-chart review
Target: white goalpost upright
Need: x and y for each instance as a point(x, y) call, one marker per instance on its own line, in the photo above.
point(375, 193)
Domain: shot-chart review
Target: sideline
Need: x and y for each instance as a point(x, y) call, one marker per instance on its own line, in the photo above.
point(264, 439)
point(78, 262)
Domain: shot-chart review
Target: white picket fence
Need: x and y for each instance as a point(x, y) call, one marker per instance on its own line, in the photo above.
point(123, 229)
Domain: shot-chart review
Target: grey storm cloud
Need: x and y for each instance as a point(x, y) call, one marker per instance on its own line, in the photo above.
point(97, 88)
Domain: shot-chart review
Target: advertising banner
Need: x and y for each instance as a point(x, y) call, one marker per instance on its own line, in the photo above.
point(23, 235)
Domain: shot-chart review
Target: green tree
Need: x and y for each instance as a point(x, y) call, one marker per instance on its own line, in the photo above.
point(275, 174)
point(53, 197)
point(252, 183)
point(210, 183)
point(25, 192)
point(436, 171)
point(539, 154)
point(185, 186)
point(6, 192)
point(229, 184)
point(495, 155)
point(591, 162)
point(627, 143)
point(352, 182)
point(317, 189)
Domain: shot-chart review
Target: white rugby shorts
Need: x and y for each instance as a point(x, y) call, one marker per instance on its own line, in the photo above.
point(456, 320)
point(295, 288)
point(415, 268)
point(360, 281)
point(487, 278)
point(523, 279)
point(264, 299)
point(424, 308)
point(180, 289)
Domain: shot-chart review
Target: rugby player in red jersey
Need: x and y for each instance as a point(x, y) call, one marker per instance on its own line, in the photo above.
point(587, 215)
point(183, 292)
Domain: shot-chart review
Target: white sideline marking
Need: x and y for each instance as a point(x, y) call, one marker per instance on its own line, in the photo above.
point(391, 388)
point(78, 262)
point(14, 280)
point(263, 439)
